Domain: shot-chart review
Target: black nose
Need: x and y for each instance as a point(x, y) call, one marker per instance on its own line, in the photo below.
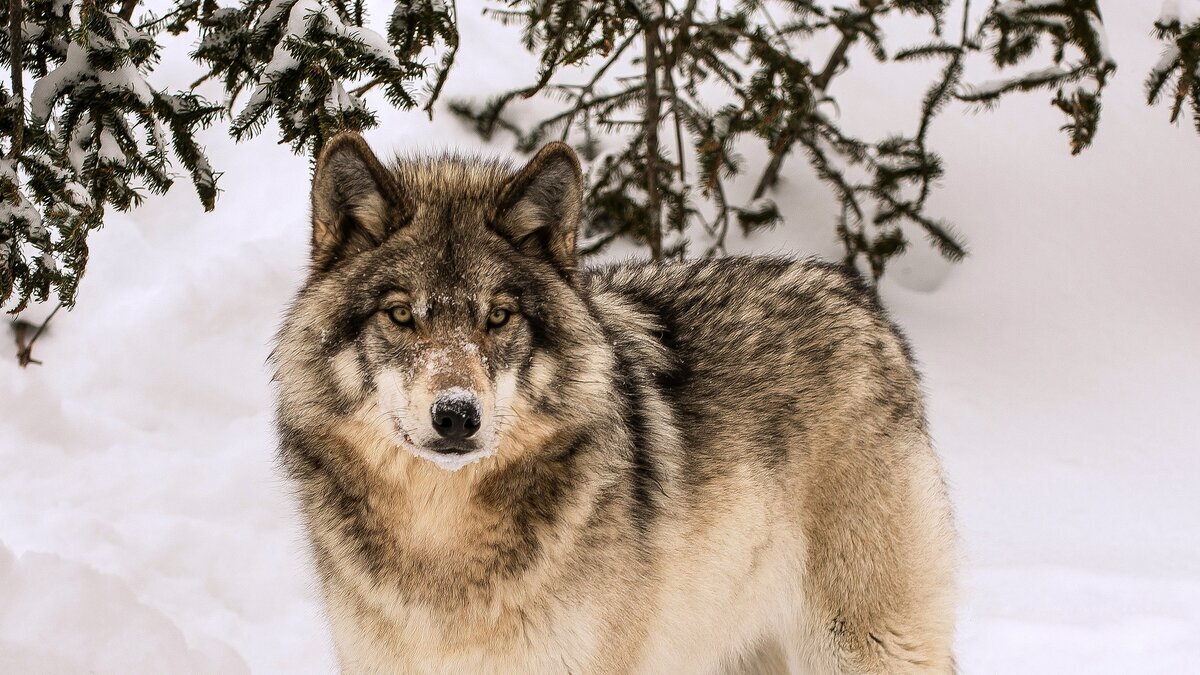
point(456, 415)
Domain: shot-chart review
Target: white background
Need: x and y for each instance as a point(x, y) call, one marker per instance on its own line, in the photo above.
point(144, 527)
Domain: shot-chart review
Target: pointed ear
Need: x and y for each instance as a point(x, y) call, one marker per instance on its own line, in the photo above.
point(356, 202)
point(539, 207)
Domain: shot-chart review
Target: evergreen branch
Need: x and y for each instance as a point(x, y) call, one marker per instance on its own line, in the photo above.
point(368, 86)
point(989, 92)
point(940, 93)
point(1181, 61)
point(584, 96)
point(669, 81)
point(127, 7)
point(838, 57)
point(820, 83)
point(653, 113)
point(443, 73)
point(16, 15)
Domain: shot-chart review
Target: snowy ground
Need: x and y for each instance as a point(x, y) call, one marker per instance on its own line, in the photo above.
point(143, 527)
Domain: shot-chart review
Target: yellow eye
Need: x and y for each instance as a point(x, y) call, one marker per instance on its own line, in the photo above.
point(498, 317)
point(401, 315)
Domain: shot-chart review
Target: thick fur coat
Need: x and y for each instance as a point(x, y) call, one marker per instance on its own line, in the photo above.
point(694, 467)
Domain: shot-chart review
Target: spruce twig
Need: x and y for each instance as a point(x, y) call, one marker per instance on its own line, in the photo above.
point(653, 112)
point(770, 175)
point(16, 16)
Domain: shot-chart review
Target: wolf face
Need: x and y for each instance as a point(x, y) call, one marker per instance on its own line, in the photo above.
point(433, 289)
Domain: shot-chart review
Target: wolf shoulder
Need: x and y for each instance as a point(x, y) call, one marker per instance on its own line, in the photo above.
point(748, 307)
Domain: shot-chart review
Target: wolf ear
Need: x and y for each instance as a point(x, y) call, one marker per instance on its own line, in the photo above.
point(539, 207)
point(355, 200)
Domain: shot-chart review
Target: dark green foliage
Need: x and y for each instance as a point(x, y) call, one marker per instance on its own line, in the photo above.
point(742, 59)
point(659, 94)
point(728, 71)
point(101, 135)
point(1081, 62)
point(296, 58)
point(1176, 77)
point(98, 135)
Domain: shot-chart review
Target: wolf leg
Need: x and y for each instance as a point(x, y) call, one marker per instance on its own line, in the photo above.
point(766, 658)
point(879, 574)
point(842, 651)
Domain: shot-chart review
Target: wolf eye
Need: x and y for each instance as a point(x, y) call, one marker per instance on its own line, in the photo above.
point(401, 315)
point(498, 317)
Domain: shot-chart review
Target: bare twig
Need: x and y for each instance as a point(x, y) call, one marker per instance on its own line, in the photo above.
point(443, 71)
point(583, 97)
point(670, 61)
point(653, 199)
point(127, 8)
point(821, 82)
point(25, 349)
point(367, 87)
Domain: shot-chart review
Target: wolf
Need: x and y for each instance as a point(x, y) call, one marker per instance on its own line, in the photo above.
point(510, 463)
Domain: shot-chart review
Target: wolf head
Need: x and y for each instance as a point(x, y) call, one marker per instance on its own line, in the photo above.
point(441, 307)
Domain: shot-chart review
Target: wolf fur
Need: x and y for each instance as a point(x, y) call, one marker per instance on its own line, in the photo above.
point(718, 466)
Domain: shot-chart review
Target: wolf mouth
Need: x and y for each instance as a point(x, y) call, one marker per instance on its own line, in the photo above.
point(450, 458)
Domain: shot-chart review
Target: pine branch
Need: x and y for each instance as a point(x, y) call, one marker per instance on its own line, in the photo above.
point(583, 97)
point(838, 56)
point(770, 176)
point(368, 86)
point(443, 70)
point(127, 7)
point(653, 112)
point(1181, 61)
point(16, 15)
point(671, 59)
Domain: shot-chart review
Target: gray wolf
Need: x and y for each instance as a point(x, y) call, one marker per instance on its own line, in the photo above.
point(509, 463)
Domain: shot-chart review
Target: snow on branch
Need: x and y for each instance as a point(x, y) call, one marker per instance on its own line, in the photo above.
point(1080, 54)
point(308, 63)
point(1176, 76)
point(99, 134)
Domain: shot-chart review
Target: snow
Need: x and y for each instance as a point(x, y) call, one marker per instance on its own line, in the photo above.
point(373, 41)
point(110, 151)
point(1166, 63)
point(1012, 8)
point(281, 62)
point(1097, 28)
point(47, 261)
point(339, 99)
point(998, 85)
point(760, 206)
point(126, 34)
point(1184, 12)
point(76, 69)
point(44, 630)
point(22, 211)
point(48, 89)
point(273, 10)
point(77, 149)
point(145, 527)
